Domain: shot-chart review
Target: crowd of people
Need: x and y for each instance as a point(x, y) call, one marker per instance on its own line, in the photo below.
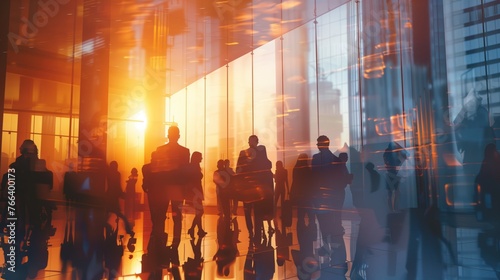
point(173, 178)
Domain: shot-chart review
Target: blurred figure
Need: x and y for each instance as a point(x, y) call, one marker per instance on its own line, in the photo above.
point(394, 156)
point(222, 180)
point(488, 182)
point(329, 195)
point(130, 195)
point(301, 191)
point(114, 192)
point(25, 188)
point(281, 183)
point(472, 132)
point(255, 169)
point(227, 249)
point(234, 206)
point(194, 196)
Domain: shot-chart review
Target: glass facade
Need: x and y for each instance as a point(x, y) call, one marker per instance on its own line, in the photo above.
point(104, 80)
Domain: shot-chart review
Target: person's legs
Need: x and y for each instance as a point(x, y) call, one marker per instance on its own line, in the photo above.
point(177, 218)
point(158, 205)
point(235, 207)
point(248, 218)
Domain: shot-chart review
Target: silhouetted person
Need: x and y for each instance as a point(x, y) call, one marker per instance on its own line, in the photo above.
point(301, 194)
point(234, 206)
point(33, 214)
point(281, 183)
point(167, 188)
point(130, 195)
point(345, 177)
point(488, 180)
point(194, 196)
point(394, 156)
point(254, 165)
point(329, 195)
point(374, 176)
point(472, 132)
point(222, 180)
point(113, 193)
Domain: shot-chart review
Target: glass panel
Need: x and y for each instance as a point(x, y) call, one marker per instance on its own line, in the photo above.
point(216, 145)
point(240, 105)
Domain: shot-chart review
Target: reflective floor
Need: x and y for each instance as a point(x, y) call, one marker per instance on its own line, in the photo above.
point(409, 244)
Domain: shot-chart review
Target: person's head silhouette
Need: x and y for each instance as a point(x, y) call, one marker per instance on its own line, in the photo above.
point(173, 134)
point(323, 142)
point(253, 141)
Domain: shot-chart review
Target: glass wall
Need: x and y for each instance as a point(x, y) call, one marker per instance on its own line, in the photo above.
point(409, 89)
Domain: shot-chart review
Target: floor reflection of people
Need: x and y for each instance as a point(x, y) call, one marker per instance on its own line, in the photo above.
point(227, 249)
point(113, 250)
point(193, 267)
point(264, 259)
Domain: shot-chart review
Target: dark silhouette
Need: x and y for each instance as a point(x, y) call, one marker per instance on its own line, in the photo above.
point(488, 184)
point(472, 133)
point(113, 250)
point(114, 192)
point(234, 207)
point(329, 195)
point(281, 183)
point(370, 230)
point(227, 249)
point(167, 186)
point(130, 193)
point(374, 176)
point(193, 267)
point(283, 243)
point(264, 260)
point(194, 196)
point(255, 186)
point(394, 157)
point(222, 180)
point(301, 191)
point(26, 184)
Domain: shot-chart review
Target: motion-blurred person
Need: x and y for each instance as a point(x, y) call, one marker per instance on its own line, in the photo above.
point(329, 195)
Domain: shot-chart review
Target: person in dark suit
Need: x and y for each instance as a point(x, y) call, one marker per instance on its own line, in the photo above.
point(167, 186)
point(328, 200)
point(256, 167)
